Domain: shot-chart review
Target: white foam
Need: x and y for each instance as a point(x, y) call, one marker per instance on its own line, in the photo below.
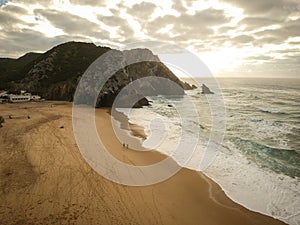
point(244, 182)
point(256, 188)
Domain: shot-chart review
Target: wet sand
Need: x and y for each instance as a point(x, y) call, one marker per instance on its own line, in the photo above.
point(45, 180)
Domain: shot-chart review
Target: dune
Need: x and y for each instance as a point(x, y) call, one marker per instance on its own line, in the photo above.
point(45, 180)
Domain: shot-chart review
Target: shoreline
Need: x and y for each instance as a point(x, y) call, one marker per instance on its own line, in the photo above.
point(203, 174)
point(66, 190)
point(138, 131)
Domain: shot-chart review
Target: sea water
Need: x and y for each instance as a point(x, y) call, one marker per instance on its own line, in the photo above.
point(257, 164)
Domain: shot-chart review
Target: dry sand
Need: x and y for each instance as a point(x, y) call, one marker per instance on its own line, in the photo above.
point(45, 180)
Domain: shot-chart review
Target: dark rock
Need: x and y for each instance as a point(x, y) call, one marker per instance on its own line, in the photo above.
point(142, 102)
point(187, 86)
point(206, 90)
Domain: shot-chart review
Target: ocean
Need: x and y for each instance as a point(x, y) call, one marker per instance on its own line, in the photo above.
point(257, 158)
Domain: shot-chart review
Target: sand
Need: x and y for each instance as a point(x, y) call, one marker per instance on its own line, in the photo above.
point(45, 180)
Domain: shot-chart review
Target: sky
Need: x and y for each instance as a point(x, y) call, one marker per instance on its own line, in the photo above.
point(256, 38)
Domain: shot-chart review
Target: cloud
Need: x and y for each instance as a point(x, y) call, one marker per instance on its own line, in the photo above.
point(22, 41)
point(260, 42)
point(294, 43)
point(243, 39)
point(14, 9)
point(289, 51)
point(280, 8)
point(262, 26)
point(276, 35)
point(254, 23)
point(260, 58)
point(26, 40)
point(186, 26)
point(281, 34)
point(142, 11)
point(8, 20)
point(101, 3)
point(72, 24)
point(124, 29)
point(19, 37)
point(178, 6)
point(32, 2)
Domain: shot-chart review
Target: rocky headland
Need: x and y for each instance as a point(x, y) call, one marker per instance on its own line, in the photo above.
point(55, 74)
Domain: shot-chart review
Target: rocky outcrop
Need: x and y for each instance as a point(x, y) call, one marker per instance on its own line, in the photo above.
point(206, 90)
point(56, 73)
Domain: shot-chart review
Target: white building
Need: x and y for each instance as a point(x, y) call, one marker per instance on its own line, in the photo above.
point(19, 98)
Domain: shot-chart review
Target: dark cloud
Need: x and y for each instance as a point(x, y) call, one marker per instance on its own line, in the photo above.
point(253, 23)
point(142, 11)
point(219, 41)
point(286, 30)
point(124, 29)
point(178, 6)
point(14, 9)
point(100, 3)
point(288, 51)
point(286, 63)
point(260, 58)
point(72, 24)
point(281, 34)
point(25, 40)
point(9, 20)
point(113, 21)
point(208, 17)
point(260, 42)
point(17, 41)
point(30, 2)
point(294, 42)
point(186, 26)
point(226, 29)
point(189, 3)
point(242, 39)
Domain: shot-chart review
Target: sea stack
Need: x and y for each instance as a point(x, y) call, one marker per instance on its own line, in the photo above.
point(206, 90)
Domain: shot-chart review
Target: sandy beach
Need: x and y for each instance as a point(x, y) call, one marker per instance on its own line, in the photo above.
point(45, 180)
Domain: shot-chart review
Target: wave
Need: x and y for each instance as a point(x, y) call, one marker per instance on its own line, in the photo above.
point(272, 111)
point(279, 160)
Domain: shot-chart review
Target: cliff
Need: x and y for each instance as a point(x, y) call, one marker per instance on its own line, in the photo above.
point(55, 74)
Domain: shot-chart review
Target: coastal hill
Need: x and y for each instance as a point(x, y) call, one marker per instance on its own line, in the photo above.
point(55, 74)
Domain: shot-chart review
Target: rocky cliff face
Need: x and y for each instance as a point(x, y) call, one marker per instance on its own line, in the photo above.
point(55, 74)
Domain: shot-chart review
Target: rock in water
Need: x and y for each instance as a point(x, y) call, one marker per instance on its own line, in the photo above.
point(206, 90)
